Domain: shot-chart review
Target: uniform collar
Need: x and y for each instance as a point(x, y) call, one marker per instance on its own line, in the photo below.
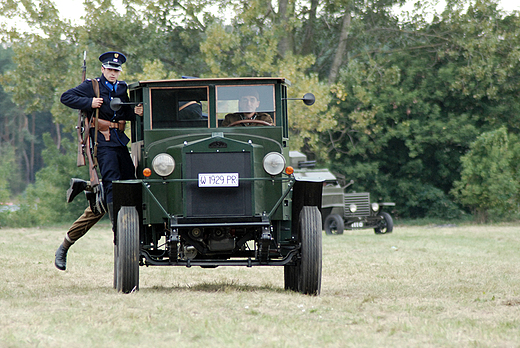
point(244, 117)
point(111, 87)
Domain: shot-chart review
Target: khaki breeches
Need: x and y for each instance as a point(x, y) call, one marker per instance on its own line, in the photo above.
point(81, 226)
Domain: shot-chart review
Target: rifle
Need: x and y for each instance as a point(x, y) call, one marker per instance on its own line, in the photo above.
point(94, 191)
point(83, 128)
point(92, 148)
point(81, 121)
point(97, 197)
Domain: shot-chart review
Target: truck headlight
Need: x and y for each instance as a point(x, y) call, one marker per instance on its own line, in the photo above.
point(274, 163)
point(353, 208)
point(163, 164)
point(375, 207)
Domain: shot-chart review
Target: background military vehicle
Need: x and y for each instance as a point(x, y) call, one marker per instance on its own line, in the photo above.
point(342, 210)
point(210, 196)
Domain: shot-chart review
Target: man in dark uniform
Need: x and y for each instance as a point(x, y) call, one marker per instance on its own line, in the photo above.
point(112, 154)
point(191, 110)
point(247, 104)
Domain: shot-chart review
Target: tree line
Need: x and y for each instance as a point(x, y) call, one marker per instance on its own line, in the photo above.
point(403, 102)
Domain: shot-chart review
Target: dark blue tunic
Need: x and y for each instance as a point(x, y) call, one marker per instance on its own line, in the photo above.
point(113, 157)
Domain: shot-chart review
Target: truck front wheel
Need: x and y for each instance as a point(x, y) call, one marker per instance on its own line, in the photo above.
point(127, 250)
point(305, 276)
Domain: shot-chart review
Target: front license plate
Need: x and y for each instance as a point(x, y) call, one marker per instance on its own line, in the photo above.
point(218, 180)
point(357, 225)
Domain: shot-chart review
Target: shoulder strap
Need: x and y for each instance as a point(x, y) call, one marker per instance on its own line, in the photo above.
point(187, 104)
point(95, 87)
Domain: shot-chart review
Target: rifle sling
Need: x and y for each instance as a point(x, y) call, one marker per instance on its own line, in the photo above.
point(95, 86)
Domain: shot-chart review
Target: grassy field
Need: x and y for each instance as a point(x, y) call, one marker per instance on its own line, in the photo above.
point(416, 287)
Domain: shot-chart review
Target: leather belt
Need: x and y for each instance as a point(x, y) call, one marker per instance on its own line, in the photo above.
point(104, 127)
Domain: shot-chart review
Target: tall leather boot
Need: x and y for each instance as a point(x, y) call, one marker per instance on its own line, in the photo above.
point(76, 187)
point(61, 255)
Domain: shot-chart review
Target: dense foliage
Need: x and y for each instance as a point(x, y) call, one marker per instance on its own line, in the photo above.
point(412, 110)
point(490, 176)
point(400, 100)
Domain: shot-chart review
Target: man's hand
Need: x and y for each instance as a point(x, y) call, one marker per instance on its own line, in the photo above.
point(139, 110)
point(97, 102)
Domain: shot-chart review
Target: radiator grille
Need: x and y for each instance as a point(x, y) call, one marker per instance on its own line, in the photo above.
point(361, 200)
point(221, 201)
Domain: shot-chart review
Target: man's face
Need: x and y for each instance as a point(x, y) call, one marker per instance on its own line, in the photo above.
point(111, 74)
point(248, 103)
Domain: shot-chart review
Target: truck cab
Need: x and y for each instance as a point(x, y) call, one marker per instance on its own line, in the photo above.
point(214, 186)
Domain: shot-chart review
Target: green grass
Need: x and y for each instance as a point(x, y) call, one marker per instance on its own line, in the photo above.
point(419, 286)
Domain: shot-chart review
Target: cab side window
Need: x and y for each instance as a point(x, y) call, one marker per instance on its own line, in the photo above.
point(178, 108)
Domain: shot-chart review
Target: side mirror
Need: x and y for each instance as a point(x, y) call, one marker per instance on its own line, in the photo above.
point(115, 104)
point(308, 99)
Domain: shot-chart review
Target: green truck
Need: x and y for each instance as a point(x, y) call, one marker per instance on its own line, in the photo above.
point(342, 210)
point(212, 194)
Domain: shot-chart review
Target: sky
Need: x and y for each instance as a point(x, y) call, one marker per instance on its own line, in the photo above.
point(73, 9)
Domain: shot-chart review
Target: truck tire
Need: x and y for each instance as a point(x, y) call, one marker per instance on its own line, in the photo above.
point(305, 276)
point(334, 224)
point(116, 258)
point(290, 274)
point(127, 250)
point(311, 254)
point(386, 225)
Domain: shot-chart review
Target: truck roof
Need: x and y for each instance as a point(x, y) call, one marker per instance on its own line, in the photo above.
point(206, 81)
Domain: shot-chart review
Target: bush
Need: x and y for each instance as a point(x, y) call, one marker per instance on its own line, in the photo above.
point(427, 201)
point(489, 178)
point(44, 202)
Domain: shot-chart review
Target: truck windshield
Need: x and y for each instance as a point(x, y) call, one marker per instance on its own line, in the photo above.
point(245, 99)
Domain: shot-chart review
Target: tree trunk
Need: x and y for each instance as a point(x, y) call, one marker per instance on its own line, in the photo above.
point(286, 39)
point(308, 41)
point(58, 136)
point(23, 128)
point(342, 47)
point(33, 136)
point(27, 164)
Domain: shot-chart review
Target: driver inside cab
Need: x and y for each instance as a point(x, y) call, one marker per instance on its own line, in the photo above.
point(248, 103)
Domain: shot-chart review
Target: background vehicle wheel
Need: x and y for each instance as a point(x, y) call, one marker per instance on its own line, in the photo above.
point(386, 225)
point(127, 255)
point(334, 224)
point(309, 272)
